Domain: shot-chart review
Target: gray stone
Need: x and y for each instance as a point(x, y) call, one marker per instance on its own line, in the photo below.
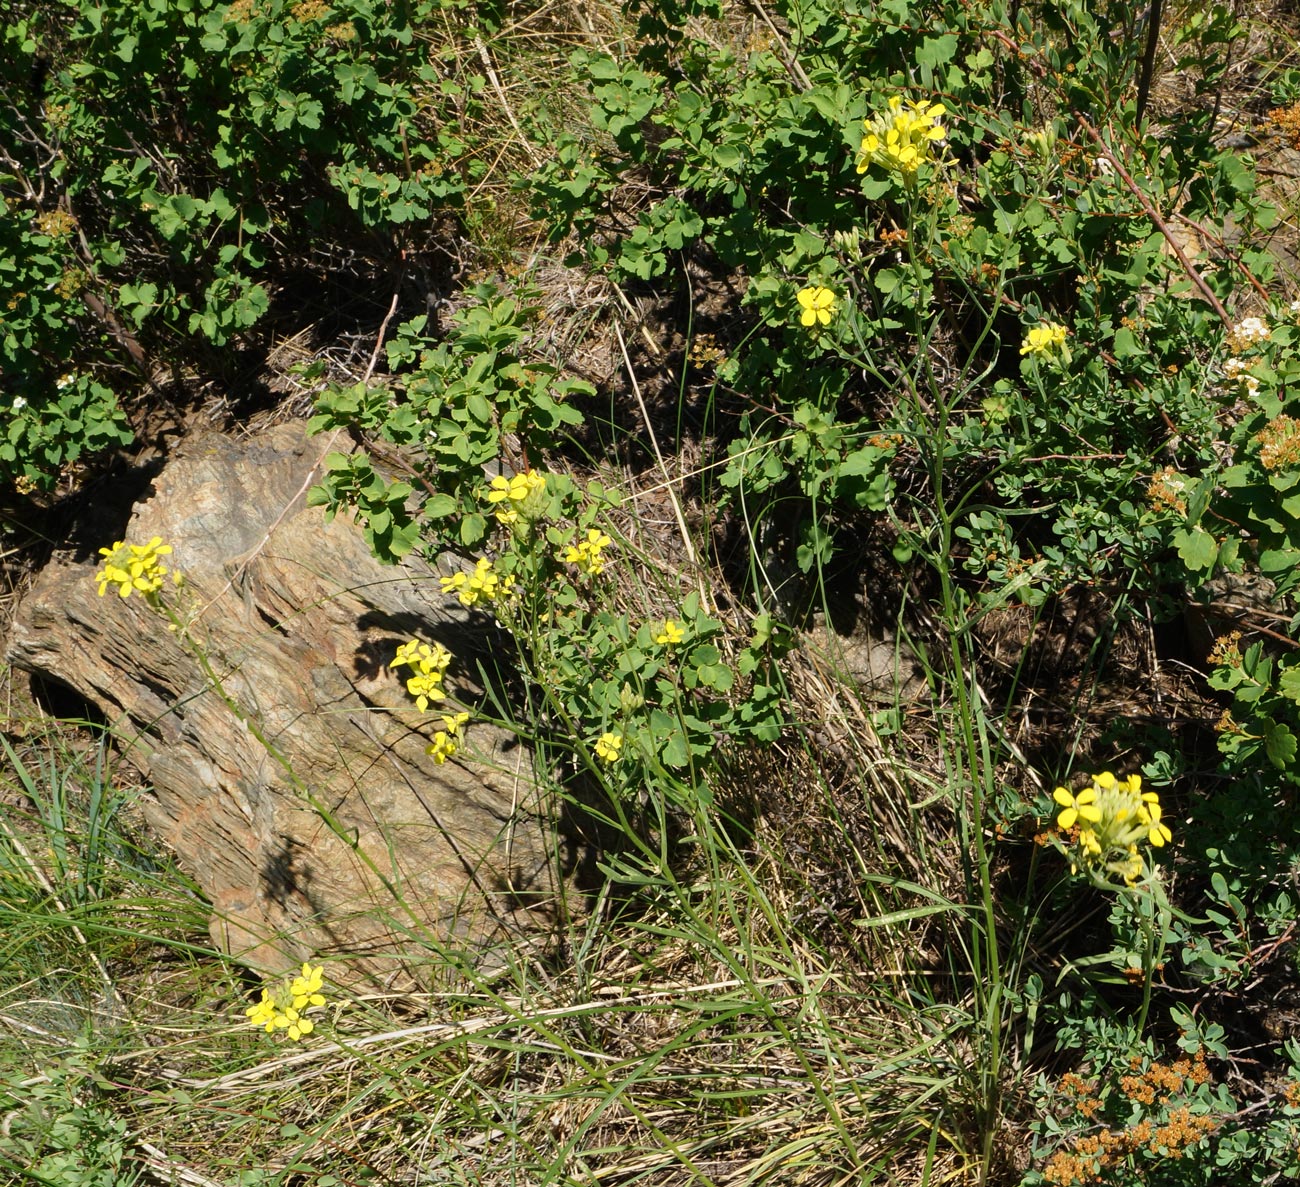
point(299, 795)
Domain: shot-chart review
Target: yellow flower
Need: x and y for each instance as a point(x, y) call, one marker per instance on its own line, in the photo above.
point(516, 488)
point(1077, 807)
point(454, 584)
point(1149, 814)
point(282, 1007)
point(586, 554)
point(422, 657)
point(428, 664)
point(406, 653)
point(1045, 338)
point(670, 634)
point(608, 747)
point(263, 1014)
point(445, 741)
point(442, 747)
point(523, 494)
point(305, 989)
point(426, 687)
point(902, 138)
point(1115, 817)
point(818, 305)
point(134, 567)
point(484, 584)
point(298, 1025)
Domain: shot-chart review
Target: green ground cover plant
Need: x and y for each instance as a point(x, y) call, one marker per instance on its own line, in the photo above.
point(172, 170)
point(971, 332)
point(967, 315)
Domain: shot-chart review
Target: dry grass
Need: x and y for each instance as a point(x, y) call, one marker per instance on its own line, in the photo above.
point(733, 1022)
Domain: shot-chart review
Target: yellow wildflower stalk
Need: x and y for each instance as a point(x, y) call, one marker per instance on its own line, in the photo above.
point(902, 138)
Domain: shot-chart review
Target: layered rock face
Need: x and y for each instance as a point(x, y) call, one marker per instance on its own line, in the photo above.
point(295, 787)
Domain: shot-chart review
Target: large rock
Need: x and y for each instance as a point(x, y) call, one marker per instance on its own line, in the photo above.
point(299, 794)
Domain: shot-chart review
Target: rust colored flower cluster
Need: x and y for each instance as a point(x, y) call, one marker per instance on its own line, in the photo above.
point(1287, 120)
point(1086, 1158)
point(1279, 443)
point(1167, 490)
point(1086, 1101)
point(1226, 651)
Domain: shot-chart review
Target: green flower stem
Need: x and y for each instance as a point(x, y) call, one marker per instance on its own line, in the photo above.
point(1155, 929)
point(972, 759)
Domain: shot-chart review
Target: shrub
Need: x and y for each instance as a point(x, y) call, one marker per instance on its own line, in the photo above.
point(169, 168)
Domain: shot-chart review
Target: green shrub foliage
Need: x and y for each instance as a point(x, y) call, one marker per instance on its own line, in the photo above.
point(168, 168)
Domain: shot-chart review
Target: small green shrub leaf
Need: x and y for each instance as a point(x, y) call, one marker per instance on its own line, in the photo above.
point(1197, 548)
point(1280, 745)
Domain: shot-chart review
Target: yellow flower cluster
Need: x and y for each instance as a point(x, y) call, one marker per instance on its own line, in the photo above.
point(1107, 821)
point(523, 495)
point(817, 305)
point(284, 1007)
point(1046, 338)
point(587, 554)
point(485, 584)
point(428, 664)
point(902, 138)
point(57, 224)
point(1167, 491)
point(609, 747)
point(447, 740)
point(135, 567)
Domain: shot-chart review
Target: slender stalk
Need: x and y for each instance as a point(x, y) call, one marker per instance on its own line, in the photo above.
point(970, 756)
point(1148, 66)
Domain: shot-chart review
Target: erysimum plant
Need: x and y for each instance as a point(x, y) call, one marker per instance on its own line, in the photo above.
point(1108, 824)
point(903, 137)
point(284, 1006)
point(135, 568)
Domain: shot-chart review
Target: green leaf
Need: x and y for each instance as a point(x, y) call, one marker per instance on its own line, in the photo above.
point(1126, 344)
point(1279, 745)
point(1278, 560)
point(438, 506)
point(935, 51)
point(1197, 548)
point(717, 676)
point(675, 752)
point(1289, 684)
point(472, 529)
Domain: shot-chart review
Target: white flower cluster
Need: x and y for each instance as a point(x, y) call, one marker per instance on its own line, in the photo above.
point(1238, 371)
point(1248, 332)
